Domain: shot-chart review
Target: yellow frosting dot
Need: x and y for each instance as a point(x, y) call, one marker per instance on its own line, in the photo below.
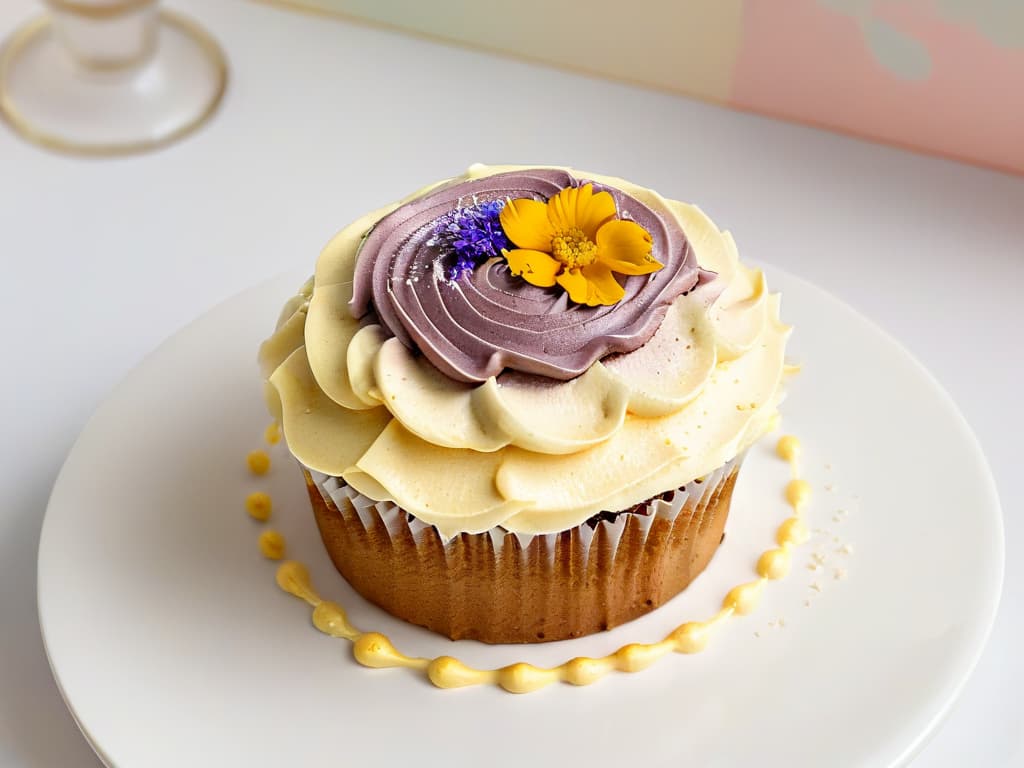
point(331, 619)
point(375, 650)
point(524, 678)
point(583, 670)
point(272, 434)
point(743, 599)
point(691, 637)
point(449, 672)
point(272, 545)
point(788, 447)
point(773, 564)
point(293, 578)
point(637, 656)
point(798, 493)
point(792, 531)
point(259, 506)
point(259, 462)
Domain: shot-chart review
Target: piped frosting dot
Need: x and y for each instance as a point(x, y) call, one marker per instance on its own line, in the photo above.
point(691, 637)
point(258, 462)
point(272, 545)
point(272, 434)
point(788, 448)
point(259, 506)
point(583, 670)
point(798, 493)
point(743, 599)
point(524, 678)
point(774, 564)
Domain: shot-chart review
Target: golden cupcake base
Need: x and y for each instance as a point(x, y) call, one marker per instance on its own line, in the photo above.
point(557, 587)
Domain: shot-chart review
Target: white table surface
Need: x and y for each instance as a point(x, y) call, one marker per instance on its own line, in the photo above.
point(323, 119)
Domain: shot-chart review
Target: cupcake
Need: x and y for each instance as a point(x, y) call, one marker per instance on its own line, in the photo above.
point(521, 398)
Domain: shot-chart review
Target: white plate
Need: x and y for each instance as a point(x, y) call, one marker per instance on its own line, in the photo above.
point(173, 646)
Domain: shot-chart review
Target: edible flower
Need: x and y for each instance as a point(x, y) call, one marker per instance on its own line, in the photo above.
point(471, 234)
point(575, 240)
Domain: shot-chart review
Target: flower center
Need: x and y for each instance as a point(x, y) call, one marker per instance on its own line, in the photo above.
point(572, 248)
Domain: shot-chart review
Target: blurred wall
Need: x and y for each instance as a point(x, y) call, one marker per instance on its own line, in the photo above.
point(940, 76)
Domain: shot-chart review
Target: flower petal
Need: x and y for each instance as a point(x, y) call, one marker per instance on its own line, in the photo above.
point(535, 267)
point(526, 223)
point(604, 288)
point(625, 246)
point(575, 285)
point(582, 209)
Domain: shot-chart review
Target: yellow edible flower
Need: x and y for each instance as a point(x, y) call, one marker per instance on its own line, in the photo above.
point(575, 240)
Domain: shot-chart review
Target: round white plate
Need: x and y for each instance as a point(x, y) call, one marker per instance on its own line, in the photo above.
point(173, 646)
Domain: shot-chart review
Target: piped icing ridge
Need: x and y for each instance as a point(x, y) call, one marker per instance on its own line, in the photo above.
point(531, 453)
point(474, 328)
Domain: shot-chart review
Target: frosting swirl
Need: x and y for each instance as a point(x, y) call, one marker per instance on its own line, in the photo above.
point(475, 327)
point(528, 453)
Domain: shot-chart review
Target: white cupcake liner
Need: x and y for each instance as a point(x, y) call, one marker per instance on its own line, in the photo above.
point(695, 495)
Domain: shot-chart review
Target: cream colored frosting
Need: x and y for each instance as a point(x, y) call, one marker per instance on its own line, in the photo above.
point(530, 454)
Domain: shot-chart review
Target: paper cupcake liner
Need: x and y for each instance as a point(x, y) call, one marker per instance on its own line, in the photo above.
point(502, 586)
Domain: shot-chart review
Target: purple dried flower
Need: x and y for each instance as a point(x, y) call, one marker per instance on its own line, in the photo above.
point(469, 236)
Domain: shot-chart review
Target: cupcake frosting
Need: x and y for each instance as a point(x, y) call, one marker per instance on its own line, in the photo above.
point(477, 399)
point(475, 328)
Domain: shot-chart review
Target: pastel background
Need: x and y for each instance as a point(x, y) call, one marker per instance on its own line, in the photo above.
point(940, 76)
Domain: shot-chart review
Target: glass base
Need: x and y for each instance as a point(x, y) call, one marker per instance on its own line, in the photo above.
point(54, 100)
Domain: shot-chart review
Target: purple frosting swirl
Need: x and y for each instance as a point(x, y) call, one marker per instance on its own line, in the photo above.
point(489, 320)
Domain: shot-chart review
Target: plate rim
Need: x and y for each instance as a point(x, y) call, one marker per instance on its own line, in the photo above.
point(989, 611)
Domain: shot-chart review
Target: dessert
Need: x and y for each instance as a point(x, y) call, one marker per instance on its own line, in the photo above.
point(521, 398)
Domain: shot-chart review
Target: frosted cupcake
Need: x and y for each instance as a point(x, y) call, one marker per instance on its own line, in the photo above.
point(521, 398)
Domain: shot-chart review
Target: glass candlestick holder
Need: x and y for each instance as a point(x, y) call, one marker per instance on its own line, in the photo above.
point(109, 77)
